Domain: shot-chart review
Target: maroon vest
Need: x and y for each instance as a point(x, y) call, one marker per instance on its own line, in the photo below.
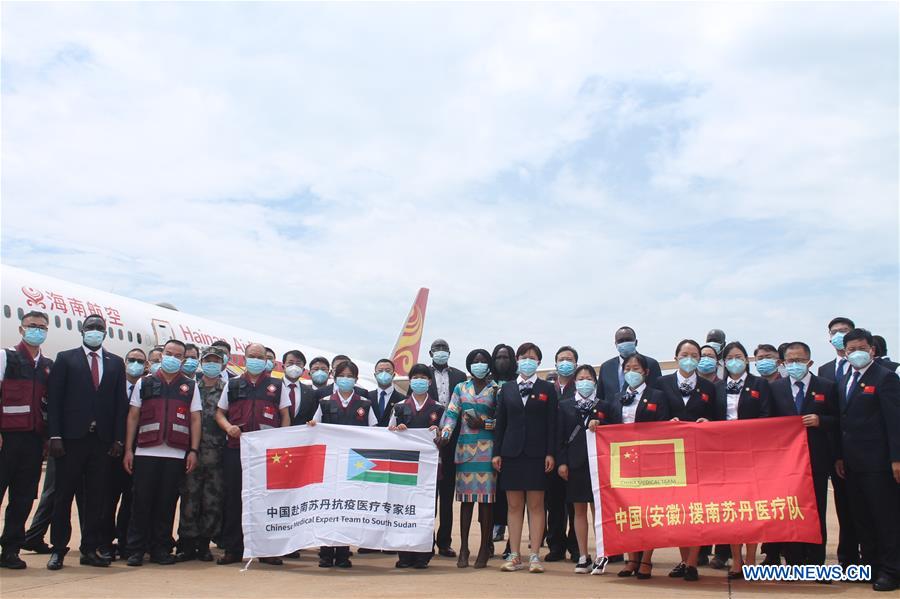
point(253, 407)
point(355, 414)
point(23, 394)
point(165, 411)
point(430, 414)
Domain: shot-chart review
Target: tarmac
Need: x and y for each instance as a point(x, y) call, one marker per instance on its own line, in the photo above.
point(374, 575)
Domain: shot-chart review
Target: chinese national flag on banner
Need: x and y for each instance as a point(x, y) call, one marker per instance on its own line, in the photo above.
point(683, 484)
point(294, 467)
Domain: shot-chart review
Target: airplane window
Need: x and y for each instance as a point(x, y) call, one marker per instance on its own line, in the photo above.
point(79, 326)
point(6, 311)
point(120, 335)
point(58, 322)
point(139, 338)
point(130, 337)
point(21, 313)
point(69, 324)
point(110, 332)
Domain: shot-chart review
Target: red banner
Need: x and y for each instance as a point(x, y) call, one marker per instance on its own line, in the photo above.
point(683, 484)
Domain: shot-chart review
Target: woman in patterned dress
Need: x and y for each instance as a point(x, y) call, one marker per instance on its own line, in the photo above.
point(472, 407)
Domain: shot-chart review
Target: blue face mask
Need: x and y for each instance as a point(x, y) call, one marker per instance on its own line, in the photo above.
point(735, 366)
point(565, 367)
point(707, 365)
point(270, 365)
point(419, 386)
point(34, 336)
point(384, 378)
point(319, 376)
point(688, 364)
point(527, 367)
point(345, 383)
point(716, 346)
point(255, 365)
point(94, 339)
point(859, 359)
point(633, 378)
point(837, 340)
point(170, 364)
point(211, 369)
point(797, 370)
point(479, 369)
point(585, 387)
point(766, 366)
point(190, 366)
point(154, 367)
point(134, 369)
point(440, 357)
point(627, 348)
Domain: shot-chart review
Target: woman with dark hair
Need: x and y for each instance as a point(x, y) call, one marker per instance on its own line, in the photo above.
point(524, 444)
point(575, 413)
point(503, 369)
point(708, 365)
point(472, 407)
point(739, 397)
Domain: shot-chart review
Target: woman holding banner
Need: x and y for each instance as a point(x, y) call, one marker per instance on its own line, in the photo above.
point(472, 408)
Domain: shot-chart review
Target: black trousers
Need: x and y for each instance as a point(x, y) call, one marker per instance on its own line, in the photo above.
point(873, 501)
point(86, 462)
point(334, 553)
point(157, 483)
point(117, 508)
point(414, 557)
point(232, 532)
point(810, 553)
point(555, 506)
point(20, 472)
point(848, 541)
point(446, 490)
point(40, 523)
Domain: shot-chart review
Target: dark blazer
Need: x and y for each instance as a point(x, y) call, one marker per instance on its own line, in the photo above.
point(827, 370)
point(574, 453)
point(701, 404)
point(888, 363)
point(819, 399)
point(308, 405)
point(457, 376)
point(653, 406)
point(328, 390)
point(609, 376)
point(394, 397)
point(526, 430)
point(73, 403)
point(755, 400)
point(869, 421)
point(567, 392)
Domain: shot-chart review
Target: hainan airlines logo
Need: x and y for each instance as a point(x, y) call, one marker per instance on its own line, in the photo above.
point(406, 353)
point(56, 302)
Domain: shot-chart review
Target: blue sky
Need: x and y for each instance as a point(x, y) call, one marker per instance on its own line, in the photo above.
point(550, 171)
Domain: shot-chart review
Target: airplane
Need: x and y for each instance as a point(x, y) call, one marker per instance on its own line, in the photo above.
point(133, 323)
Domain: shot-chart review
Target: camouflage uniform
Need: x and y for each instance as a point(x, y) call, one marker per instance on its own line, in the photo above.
point(204, 488)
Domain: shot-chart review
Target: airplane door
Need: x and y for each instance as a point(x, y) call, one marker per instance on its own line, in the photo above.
point(163, 331)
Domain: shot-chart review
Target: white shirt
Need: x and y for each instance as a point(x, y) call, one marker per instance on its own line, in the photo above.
point(732, 399)
point(416, 407)
point(373, 420)
point(691, 380)
point(164, 450)
point(628, 412)
point(99, 352)
point(129, 387)
point(862, 373)
point(442, 384)
point(529, 381)
point(3, 361)
point(286, 393)
point(223, 404)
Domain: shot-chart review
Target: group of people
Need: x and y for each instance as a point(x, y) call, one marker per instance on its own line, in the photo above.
point(127, 439)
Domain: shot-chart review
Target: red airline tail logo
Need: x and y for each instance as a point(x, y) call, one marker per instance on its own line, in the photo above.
point(406, 351)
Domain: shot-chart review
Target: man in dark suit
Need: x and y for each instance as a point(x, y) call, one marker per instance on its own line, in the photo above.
point(836, 370)
point(303, 404)
point(558, 513)
point(386, 395)
point(445, 378)
point(86, 398)
point(881, 354)
point(611, 376)
point(869, 456)
point(815, 399)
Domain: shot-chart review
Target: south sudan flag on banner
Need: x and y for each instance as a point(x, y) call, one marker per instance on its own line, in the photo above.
point(392, 466)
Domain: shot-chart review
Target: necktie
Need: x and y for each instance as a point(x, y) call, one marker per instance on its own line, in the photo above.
point(798, 399)
point(622, 386)
point(628, 398)
point(381, 401)
point(292, 396)
point(840, 371)
point(852, 388)
point(686, 388)
point(95, 370)
point(734, 387)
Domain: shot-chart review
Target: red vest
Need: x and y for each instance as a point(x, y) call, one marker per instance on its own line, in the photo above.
point(23, 394)
point(165, 411)
point(355, 414)
point(253, 407)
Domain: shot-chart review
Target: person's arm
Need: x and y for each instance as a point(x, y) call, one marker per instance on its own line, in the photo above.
point(56, 388)
point(562, 449)
point(134, 415)
point(120, 411)
point(765, 399)
point(222, 420)
point(889, 401)
point(499, 431)
point(392, 422)
point(317, 417)
point(373, 419)
point(451, 415)
point(828, 417)
point(552, 415)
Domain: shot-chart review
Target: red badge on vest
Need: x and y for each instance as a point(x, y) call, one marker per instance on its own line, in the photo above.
point(433, 417)
point(869, 389)
point(269, 412)
point(704, 397)
point(600, 415)
point(184, 389)
point(542, 397)
point(181, 412)
point(47, 370)
point(820, 397)
point(360, 413)
point(271, 389)
point(754, 393)
point(651, 407)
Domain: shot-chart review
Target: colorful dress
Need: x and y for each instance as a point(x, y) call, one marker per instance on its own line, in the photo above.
point(476, 480)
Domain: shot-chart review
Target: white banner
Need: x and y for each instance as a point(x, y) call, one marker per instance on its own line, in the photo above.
point(330, 485)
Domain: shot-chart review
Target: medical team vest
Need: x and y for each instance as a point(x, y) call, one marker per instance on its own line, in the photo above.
point(165, 411)
point(253, 407)
point(430, 414)
point(355, 414)
point(23, 394)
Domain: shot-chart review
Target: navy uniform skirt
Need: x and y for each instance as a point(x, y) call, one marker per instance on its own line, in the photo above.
point(578, 487)
point(523, 474)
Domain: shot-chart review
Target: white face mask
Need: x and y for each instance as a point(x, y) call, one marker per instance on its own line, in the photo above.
point(293, 371)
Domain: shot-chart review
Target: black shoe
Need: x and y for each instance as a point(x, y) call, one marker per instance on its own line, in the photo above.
point(363, 550)
point(204, 554)
point(293, 555)
point(678, 571)
point(163, 559)
point(135, 559)
point(885, 582)
point(717, 563)
point(389, 552)
point(402, 564)
point(38, 546)
point(446, 551)
point(107, 554)
point(56, 561)
point(703, 560)
point(326, 562)
point(272, 561)
point(420, 566)
point(12, 561)
point(93, 559)
point(555, 556)
point(614, 559)
point(691, 574)
point(644, 575)
point(732, 575)
point(343, 563)
point(228, 558)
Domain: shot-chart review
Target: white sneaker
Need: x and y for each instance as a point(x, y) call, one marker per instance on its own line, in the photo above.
point(599, 566)
point(514, 564)
point(584, 565)
point(534, 564)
